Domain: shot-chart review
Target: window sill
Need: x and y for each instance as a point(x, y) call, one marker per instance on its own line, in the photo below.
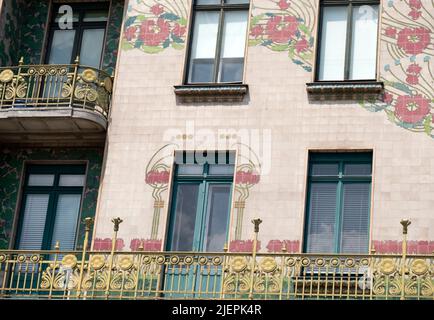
point(211, 92)
point(344, 90)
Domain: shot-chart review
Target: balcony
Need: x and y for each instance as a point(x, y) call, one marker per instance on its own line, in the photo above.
point(223, 275)
point(39, 101)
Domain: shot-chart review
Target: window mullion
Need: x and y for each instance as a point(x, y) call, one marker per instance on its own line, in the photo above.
point(348, 50)
point(219, 46)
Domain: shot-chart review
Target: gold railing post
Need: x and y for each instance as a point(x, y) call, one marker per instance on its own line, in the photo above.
point(88, 222)
point(116, 222)
point(405, 224)
point(256, 223)
point(224, 271)
point(15, 85)
point(74, 79)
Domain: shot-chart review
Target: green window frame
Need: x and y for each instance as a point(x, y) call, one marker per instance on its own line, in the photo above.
point(54, 192)
point(338, 203)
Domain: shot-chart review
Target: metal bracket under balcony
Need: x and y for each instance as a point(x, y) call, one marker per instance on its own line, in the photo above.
point(43, 100)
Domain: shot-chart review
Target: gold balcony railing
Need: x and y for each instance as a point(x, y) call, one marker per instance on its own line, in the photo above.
point(34, 87)
point(223, 275)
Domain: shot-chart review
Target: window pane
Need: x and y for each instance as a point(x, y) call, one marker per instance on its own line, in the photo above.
point(208, 1)
point(68, 208)
point(95, 16)
point(322, 218)
point(185, 217)
point(41, 180)
point(61, 47)
point(358, 169)
point(233, 46)
point(217, 216)
point(71, 180)
point(190, 169)
point(91, 47)
point(203, 47)
point(364, 42)
point(237, 1)
point(333, 41)
point(325, 169)
point(355, 216)
point(221, 169)
point(33, 225)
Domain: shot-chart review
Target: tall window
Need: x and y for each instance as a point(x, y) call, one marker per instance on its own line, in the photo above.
point(338, 203)
point(218, 43)
point(201, 203)
point(84, 39)
point(50, 207)
point(348, 40)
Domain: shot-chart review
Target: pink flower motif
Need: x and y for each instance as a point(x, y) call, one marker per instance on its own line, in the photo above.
point(390, 32)
point(412, 109)
point(281, 29)
point(415, 4)
point(414, 69)
point(414, 14)
point(414, 41)
point(243, 177)
point(178, 30)
point(387, 98)
point(412, 79)
point(157, 9)
point(257, 31)
point(130, 33)
point(283, 4)
point(301, 45)
point(157, 177)
point(153, 34)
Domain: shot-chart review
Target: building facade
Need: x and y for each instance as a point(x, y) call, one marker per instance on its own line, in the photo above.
point(189, 119)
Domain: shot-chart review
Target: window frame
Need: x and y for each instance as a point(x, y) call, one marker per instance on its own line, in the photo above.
point(53, 191)
point(343, 158)
point(348, 38)
point(79, 27)
point(221, 8)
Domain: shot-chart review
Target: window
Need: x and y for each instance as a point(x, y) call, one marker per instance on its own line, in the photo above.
point(338, 203)
point(50, 207)
point(201, 202)
point(348, 40)
point(218, 41)
point(85, 39)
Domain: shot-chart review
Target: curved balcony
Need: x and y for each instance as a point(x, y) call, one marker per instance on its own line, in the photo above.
point(42, 100)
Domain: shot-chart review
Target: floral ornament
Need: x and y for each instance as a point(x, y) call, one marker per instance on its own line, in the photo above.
point(415, 6)
point(412, 109)
point(414, 41)
point(157, 177)
point(281, 27)
point(413, 72)
point(154, 28)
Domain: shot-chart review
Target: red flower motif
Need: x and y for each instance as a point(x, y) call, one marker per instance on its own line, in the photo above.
point(412, 109)
point(283, 4)
point(390, 32)
point(152, 34)
point(412, 79)
point(243, 177)
point(157, 9)
point(257, 31)
point(414, 69)
point(415, 4)
point(156, 177)
point(130, 33)
point(387, 98)
point(414, 14)
point(281, 29)
point(178, 30)
point(414, 41)
point(301, 45)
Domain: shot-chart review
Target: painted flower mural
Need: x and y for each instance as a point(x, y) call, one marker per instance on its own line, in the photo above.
point(407, 72)
point(285, 26)
point(155, 25)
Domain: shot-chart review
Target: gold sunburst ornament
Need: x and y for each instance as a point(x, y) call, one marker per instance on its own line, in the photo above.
point(6, 75)
point(69, 261)
point(88, 75)
point(97, 262)
point(268, 265)
point(419, 267)
point(387, 266)
point(125, 263)
point(239, 264)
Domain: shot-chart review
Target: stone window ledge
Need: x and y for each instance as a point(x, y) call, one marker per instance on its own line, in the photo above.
point(344, 90)
point(211, 93)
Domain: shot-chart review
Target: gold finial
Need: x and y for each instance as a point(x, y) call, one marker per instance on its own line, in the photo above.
point(116, 221)
point(225, 247)
point(373, 249)
point(57, 246)
point(77, 60)
point(141, 246)
point(405, 223)
point(257, 222)
point(284, 248)
point(21, 62)
point(88, 222)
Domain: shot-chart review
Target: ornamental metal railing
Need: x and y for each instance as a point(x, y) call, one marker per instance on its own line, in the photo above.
point(222, 275)
point(53, 86)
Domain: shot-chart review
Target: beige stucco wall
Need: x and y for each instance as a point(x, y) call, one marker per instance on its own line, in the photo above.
point(145, 107)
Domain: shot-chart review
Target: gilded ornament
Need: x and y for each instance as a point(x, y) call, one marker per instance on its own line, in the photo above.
point(108, 84)
point(52, 71)
point(364, 262)
point(268, 265)
point(217, 261)
point(350, 262)
point(174, 260)
point(146, 260)
point(419, 267)
point(320, 262)
point(290, 262)
point(97, 262)
point(69, 261)
point(6, 75)
point(239, 264)
point(63, 71)
point(203, 261)
point(89, 75)
point(387, 266)
point(21, 258)
point(125, 263)
point(2, 258)
point(42, 71)
point(161, 259)
point(188, 260)
point(305, 262)
point(31, 71)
